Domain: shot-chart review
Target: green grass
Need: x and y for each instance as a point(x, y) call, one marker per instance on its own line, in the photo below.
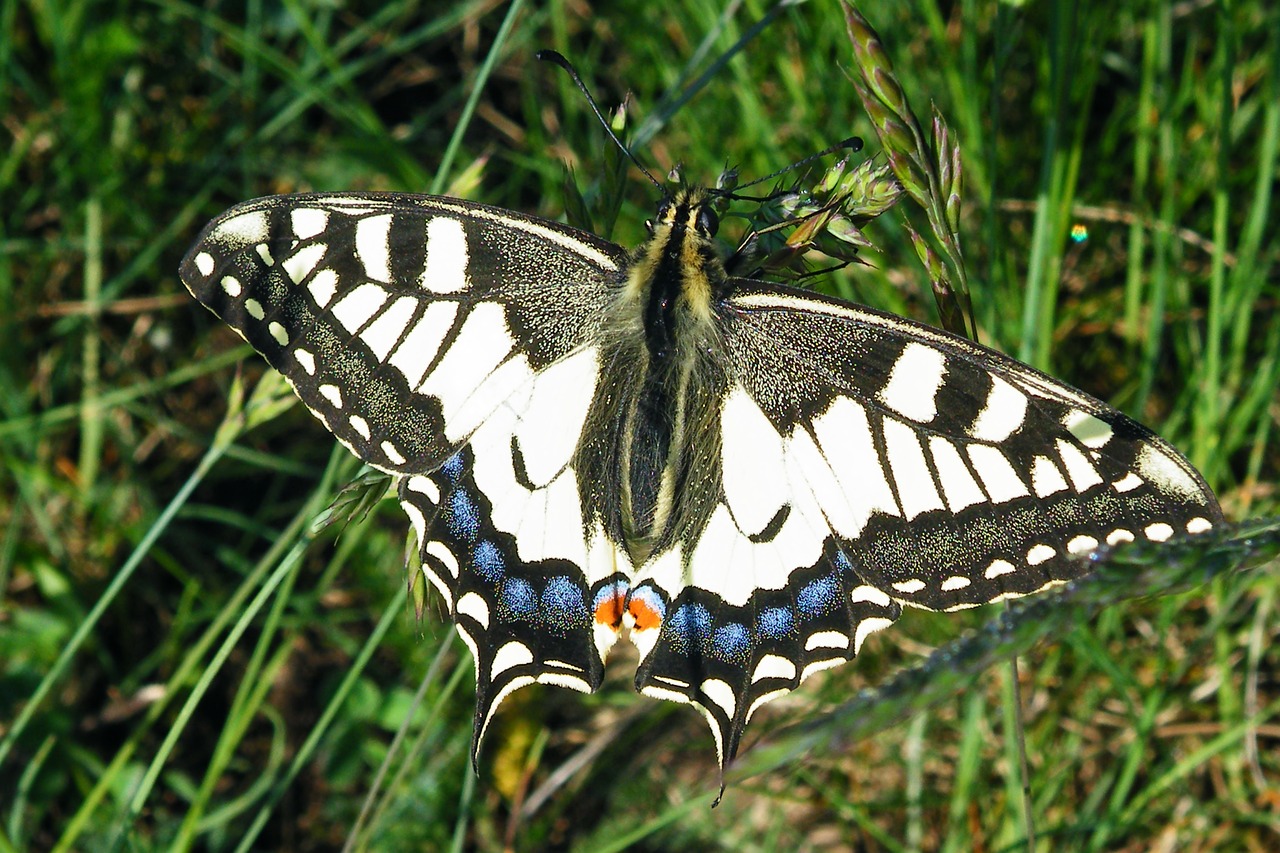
point(187, 663)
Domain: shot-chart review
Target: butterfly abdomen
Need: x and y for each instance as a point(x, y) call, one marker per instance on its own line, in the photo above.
point(670, 344)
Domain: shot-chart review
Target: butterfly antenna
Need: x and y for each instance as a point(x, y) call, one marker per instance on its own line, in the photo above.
point(853, 143)
point(558, 59)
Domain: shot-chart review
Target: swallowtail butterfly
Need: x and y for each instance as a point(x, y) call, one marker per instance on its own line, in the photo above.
point(746, 477)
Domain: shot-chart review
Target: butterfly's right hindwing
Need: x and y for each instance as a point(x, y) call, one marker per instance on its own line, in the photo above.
point(402, 321)
point(516, 571)
point(455, 345)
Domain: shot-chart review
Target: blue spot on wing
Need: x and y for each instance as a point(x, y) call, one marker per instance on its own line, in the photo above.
point(518, 598)
point(775, 622)
point(488, 561)
point(463, 516)
point(688, 628)
point(731, 642)
point(818, 597)
point(563, 603)
point(452, 468)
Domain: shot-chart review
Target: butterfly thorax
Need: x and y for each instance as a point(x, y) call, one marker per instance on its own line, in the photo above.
point(664, 333)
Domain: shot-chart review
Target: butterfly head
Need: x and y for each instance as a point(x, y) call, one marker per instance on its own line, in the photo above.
point(688, 208)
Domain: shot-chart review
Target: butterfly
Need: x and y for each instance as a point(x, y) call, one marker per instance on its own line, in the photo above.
point(745, 478)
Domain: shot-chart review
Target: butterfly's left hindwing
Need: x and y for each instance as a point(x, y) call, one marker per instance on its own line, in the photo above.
point(869, 463)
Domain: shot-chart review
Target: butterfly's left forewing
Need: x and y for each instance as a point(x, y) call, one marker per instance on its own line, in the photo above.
point(452, 344)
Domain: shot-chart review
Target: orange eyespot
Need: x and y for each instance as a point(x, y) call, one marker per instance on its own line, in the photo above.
point(609, 608)
point(644, 615)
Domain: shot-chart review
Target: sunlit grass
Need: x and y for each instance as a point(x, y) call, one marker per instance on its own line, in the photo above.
point(185, 662)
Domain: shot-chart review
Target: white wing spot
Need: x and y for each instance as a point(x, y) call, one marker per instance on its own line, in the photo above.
point(1046, 479)
point(721, 694)
point(384, 333)
point(1040, 553)
point(726, 561)
point(826, 640)
point(553, 530)
point(303, 262)
point(916, 490)
point(1127, 483)
point(866, 628)
point(306, 359)
point(245, 228)
point(958, 485)
point(514, 653)
point(231, 285)
point(1082, 545)
point(392, 453)
point(204, 263)
point(755, 477)
point(474, 606)
point(442, 553)
point(308, 221)
point(323, 287)
point(354, 206)
point(357, 307)
point(425, 486)
point(332, 394)
point(954, 583)
point(1083, 475)
point(559, 664)
point(774, 666)
point(419, 347)
point(481, 345)
point(264, 252)
point(914, 381)
point(277, 331)
point(998, 476)
point(1003, 414)
point(564, 679)
point(415, 518)
point(1158, 532)
point(998, 568)
point(254, 307)
point(551, 423)
point(820, 665)
point(913, 585)
point(446, 267)
point(1119, 535)
point(844, 435)
point(1199, 525)
point(869, 594)
point(1091, 432)
point(372, 245)
point(360, 425)
point(764, 699)
point(1159, 469)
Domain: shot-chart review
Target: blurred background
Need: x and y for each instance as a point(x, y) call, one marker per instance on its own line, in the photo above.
point(184, 665)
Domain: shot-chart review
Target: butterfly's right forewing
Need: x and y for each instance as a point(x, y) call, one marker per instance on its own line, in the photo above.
point(401, 320)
